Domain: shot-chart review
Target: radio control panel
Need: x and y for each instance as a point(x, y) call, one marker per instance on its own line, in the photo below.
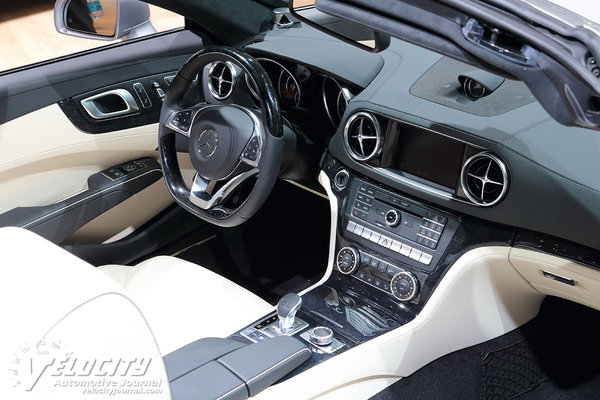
point(398, 215)
point(396, 226)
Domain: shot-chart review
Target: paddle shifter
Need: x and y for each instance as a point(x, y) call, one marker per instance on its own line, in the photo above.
point(287, 308)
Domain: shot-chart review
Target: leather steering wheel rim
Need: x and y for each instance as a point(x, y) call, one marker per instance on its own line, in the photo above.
point(270, 120)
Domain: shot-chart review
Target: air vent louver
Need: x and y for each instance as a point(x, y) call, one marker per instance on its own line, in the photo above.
point(362, 136)
point(221, 77)
point(484, 179)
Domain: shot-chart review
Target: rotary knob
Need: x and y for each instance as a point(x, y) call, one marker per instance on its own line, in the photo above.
point(392, 218)
point(321, 336)
point(404, 286)
point(347, 260)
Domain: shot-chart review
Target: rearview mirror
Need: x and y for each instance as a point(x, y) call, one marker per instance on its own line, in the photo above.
point(345, 30)
point(103, 19)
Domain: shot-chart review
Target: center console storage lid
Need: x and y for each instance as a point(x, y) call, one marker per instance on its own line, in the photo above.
point(225, 369)
point(264, 363)
point(196, 354)
point(209, 382)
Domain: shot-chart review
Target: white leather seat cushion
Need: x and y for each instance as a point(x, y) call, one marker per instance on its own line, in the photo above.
point(47, 293)
point(183, 302)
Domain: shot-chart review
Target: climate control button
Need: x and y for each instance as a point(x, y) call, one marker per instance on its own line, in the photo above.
point(347, 260)
point(404, 286)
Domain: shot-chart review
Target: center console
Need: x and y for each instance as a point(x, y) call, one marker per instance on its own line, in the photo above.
point(389, 252)
point(393, 242)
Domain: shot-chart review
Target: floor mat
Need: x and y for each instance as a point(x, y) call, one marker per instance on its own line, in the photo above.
point(554, 356)
point(283, 248)
point(510, 372)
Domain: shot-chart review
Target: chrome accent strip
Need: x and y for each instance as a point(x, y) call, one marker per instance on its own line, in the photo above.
point(343, 92)
point(200, 187)
point(94, 112)
point(223, 396)
point(418, 185)
point(561, 278)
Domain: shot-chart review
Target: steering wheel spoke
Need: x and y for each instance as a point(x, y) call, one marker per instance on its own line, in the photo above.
point(201, 194)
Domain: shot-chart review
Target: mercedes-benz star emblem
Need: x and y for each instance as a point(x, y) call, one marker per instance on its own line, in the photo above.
point(208, 142)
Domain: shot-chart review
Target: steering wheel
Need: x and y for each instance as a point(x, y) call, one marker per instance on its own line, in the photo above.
point(228, 143)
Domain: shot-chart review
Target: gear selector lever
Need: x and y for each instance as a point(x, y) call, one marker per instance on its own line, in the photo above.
point(287, 308)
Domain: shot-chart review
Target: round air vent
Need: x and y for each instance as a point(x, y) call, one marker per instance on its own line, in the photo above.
point(362, 136)
point(221, 77)
point(484, 179)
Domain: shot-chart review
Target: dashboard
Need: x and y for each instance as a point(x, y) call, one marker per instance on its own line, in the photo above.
point(400, 118)
point(501, 159)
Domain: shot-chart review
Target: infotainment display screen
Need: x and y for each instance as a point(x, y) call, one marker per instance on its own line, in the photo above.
point(428, 155)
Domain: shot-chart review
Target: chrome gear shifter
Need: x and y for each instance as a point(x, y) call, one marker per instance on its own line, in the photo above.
point(287, 308)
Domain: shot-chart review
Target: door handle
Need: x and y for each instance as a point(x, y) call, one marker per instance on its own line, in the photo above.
point(110, 104)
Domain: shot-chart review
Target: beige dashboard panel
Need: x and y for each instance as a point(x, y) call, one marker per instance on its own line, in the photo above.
point(532, 264)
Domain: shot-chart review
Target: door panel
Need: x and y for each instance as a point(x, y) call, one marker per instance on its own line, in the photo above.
point(45, 158)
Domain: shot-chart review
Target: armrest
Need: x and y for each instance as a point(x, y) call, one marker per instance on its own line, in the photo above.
point(262, 364)
point(196, 354)
point(209, 382)
point(238, 374)
point(106, 189)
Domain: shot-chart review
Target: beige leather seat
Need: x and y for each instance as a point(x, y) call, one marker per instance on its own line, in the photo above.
point(60, 312)
point(183, 301)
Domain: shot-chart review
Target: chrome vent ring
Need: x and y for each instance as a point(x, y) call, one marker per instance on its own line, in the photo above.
point(484, 179)
point(362, 136)
point(221, 79)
